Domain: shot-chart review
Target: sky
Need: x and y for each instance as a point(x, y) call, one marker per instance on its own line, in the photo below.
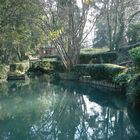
point(90, 37)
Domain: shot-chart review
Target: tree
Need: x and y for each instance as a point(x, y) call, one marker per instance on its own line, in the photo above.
point(133, 33)
point(115, 16)
point(18, 32)
point(65, 24)
point(101, 38)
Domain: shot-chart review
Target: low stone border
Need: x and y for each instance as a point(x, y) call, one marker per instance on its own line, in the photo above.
point(101, 84)
point(67, 76)
point(15, 77)
point(93, 83)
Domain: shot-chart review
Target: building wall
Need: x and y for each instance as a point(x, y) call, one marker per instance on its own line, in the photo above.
point(47, 51)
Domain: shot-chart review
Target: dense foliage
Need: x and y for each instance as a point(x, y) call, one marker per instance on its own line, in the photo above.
point(135, 55)
point(133, 33)
point(28, 24)
point(107, 57)
point(122, 79)
point(99, 71)
point(133, 91)
point(19, 31)
point(46, 65)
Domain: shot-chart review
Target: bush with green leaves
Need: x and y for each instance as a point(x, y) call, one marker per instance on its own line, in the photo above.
point(122, 79)
point(19, 68)
point(82, 69)
point(135, 55)
point(99, 71)
point(133, 91)
point(22, 67)
point(47, 65)
point(89, 58)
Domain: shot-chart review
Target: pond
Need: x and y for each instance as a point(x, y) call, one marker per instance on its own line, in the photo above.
point(40, 110)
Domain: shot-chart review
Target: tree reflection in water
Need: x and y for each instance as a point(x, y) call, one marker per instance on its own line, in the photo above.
point(63, 111)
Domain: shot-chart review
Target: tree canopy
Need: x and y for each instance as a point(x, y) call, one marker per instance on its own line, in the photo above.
point(25, 24)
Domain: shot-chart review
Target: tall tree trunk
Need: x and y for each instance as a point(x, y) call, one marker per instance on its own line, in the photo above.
point(119, 37)
point(109, 25)
point(73, 42)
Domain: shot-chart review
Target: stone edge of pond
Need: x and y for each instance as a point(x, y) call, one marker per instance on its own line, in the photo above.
point(101, 84)
point(94, 83)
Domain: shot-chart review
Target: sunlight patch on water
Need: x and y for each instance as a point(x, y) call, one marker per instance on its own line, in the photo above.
point(92, 106)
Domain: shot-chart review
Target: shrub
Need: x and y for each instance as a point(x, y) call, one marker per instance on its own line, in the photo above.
point(57, 66)
point(47, 65)
point(21, 67)
point(112, 70)
point(135, 55)
point(82, 69)
point(122, 79)
point(99, 71)
point(133, 91)
point(107, 57)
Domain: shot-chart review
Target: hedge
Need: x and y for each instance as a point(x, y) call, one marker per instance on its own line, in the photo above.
point(108, 57)
point(47, 66)
point(99, 71)
point(135, 55)
point(133, 91)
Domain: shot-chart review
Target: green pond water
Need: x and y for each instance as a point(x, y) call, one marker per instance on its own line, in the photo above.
point(39, 110)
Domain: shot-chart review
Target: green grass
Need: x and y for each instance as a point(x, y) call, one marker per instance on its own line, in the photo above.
point(94, 50)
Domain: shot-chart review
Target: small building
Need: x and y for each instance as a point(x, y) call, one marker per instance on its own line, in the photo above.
point(45, 51)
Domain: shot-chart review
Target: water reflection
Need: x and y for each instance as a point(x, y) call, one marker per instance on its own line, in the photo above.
point(39, 110)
